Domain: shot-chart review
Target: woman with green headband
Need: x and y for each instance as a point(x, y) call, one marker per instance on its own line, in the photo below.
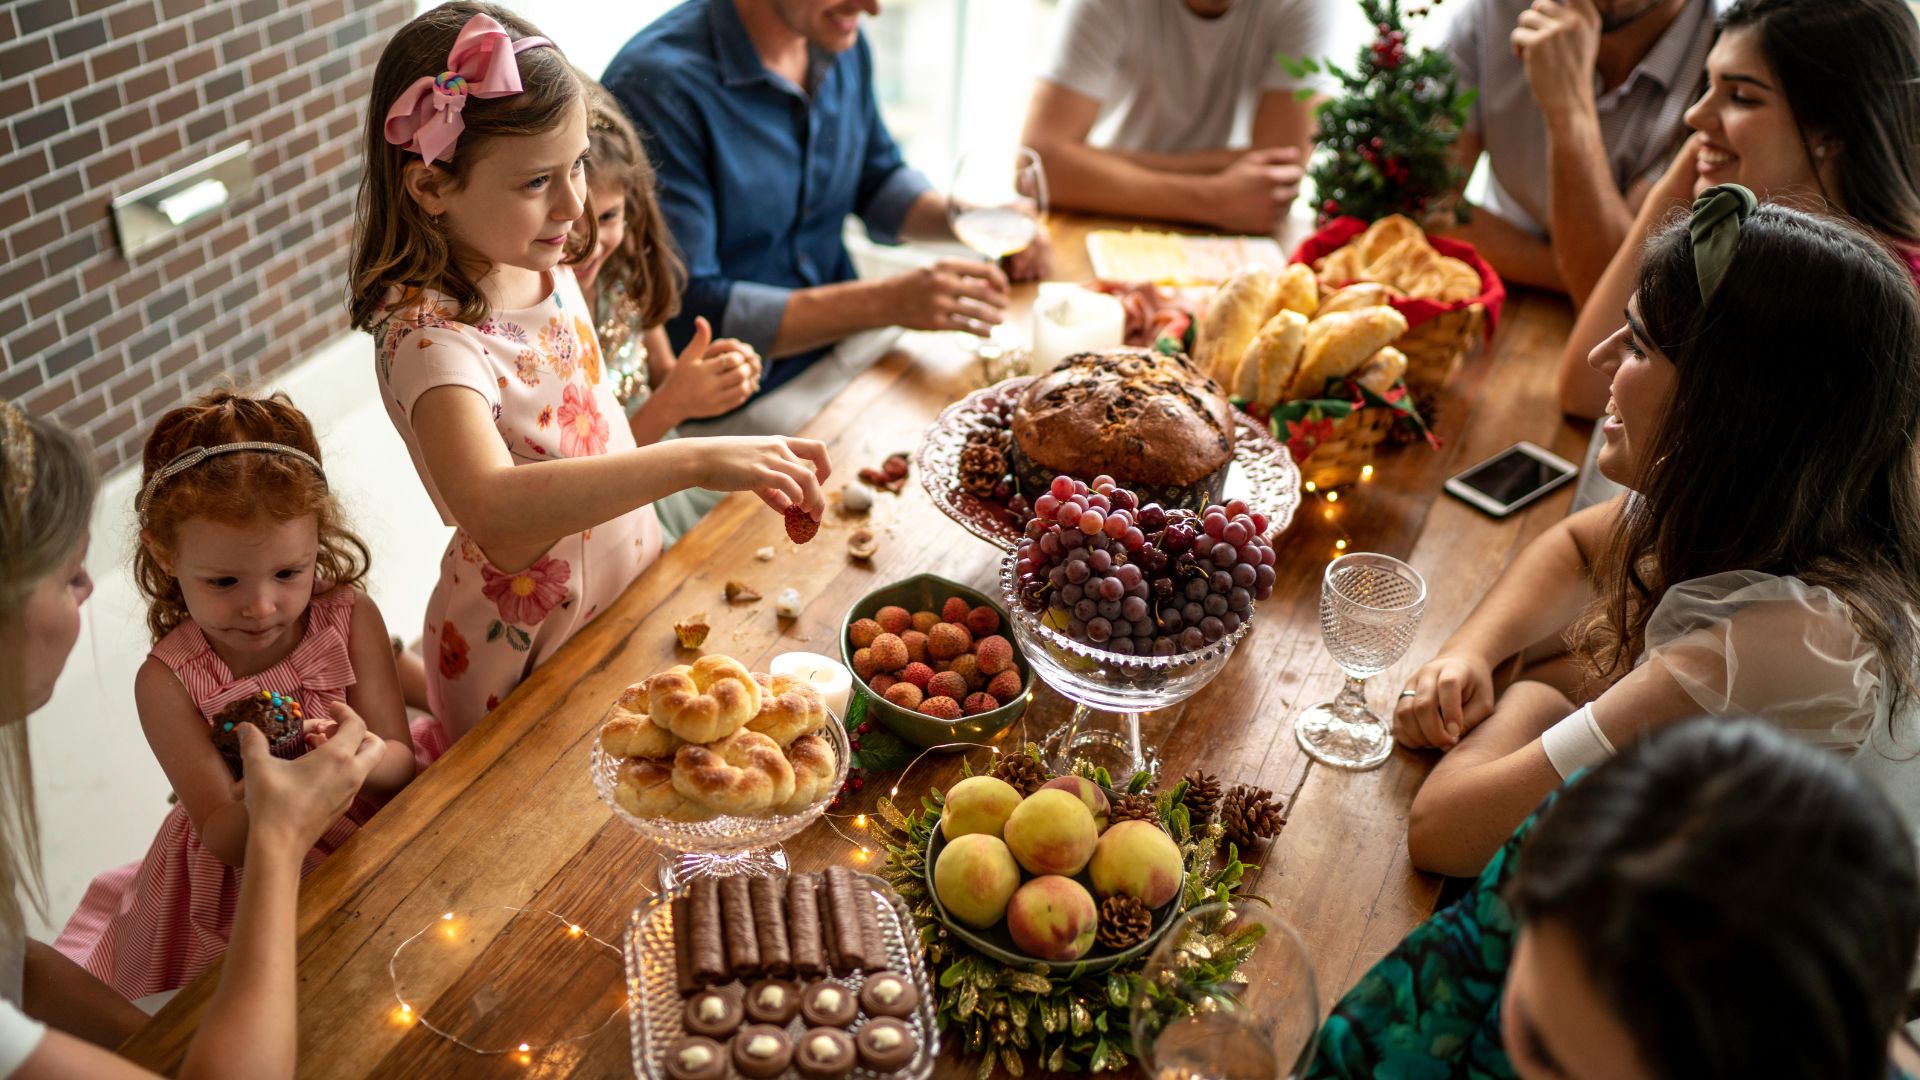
point(1765, 397)
point(56, 1020)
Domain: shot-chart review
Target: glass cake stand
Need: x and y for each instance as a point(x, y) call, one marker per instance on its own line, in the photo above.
point(723, 846)
point(1101, 682)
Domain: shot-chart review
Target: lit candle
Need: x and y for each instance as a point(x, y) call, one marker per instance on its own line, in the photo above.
point(1069, 319)
point(823, 673)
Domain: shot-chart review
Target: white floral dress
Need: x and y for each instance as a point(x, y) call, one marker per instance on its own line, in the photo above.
point(540, 371)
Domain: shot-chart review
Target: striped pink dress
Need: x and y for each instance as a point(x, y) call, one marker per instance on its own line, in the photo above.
point(155, 924)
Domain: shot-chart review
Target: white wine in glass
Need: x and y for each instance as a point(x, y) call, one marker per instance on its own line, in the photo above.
point(996, 207)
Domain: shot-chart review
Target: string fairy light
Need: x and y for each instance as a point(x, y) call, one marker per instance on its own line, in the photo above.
point(406, 1015)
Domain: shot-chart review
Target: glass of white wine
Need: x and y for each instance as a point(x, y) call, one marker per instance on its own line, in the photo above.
point(997, 207)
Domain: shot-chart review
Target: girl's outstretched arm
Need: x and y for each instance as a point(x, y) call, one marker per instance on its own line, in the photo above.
point(178, 735)
point(376, 696)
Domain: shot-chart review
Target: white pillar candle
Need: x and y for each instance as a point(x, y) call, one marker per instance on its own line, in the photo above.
point(1069, 319)
point(823, 673)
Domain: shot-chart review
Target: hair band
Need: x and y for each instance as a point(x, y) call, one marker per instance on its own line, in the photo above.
point(201, 453)
point(18, 444)
point(1715, 229)
point(484, 62)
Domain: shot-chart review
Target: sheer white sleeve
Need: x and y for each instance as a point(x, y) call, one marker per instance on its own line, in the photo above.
point(1751, 644)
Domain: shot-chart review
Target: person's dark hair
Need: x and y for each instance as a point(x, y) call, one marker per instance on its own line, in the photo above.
point(1850, 70)
point(396, 243)
point(1746, 904)
point(645, 266)
point(1788, 445)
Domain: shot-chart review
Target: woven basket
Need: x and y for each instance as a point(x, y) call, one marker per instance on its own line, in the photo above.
point(1355, 439)
point(1435, 348)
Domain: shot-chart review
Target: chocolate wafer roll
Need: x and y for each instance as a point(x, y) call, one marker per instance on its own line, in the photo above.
point(849, 943)
point(743, 942)
point(709, 949)
point(870, 935)
point(683, 948)
point(770, 921)
point(803, 924)
point(829, 941)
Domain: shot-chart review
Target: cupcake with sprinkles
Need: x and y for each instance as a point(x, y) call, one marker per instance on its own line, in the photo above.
point(276, 715)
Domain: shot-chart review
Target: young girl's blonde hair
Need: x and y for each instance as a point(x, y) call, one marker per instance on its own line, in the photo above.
point(235, 489)
point(645, 265)
point(396, 243)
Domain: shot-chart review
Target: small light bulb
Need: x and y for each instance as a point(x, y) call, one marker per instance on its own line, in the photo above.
point(860, 822)
point(1339, 545)
point(895, 790)
point(405, 1008)
point(574, 930)
point(1366, 472)
point(1333, 496)
point(525, 1047)
point(1312, 487)
point(448, 915)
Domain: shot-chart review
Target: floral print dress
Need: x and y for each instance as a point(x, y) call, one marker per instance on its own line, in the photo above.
point(540, 371)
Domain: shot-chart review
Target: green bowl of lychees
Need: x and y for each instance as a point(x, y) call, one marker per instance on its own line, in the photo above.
point(934, 661)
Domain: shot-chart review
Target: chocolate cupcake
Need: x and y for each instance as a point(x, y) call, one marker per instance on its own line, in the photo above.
point(828, 1004)
point(696, 1057)
point(761, 1051)
point(278, 716)
point(824, 1053)
point(712, 1014)
point(886, 1045)
point(772, 1001)
point(888, 994)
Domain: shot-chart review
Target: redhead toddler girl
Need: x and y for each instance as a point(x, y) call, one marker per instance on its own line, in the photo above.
point(474, 185)
point(253, 584)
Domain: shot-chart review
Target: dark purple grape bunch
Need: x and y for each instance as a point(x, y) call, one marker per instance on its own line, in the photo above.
point(1141, 580)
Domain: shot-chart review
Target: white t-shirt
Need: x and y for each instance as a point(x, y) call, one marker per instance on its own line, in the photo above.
point(1169, 81)
point(20, 1036)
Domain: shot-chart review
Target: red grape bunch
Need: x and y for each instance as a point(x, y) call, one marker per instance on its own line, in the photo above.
point(1141, 580)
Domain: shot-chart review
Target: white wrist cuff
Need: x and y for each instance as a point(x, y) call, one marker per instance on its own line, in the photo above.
point(1576, 743)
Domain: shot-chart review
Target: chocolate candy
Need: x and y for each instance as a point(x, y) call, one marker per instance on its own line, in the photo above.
point(743, 941)
point(888, 994)
point(828, 1004)
point(771, 1001)
point(709, 952)
point(824, 1053)
point(770, 922)
point(803, 924)
point(683, 949)
point(713, 1014)
point(696, 1057)
point(875, 943)
point(761, 1051)
point(886, 1045)
point(843, 910)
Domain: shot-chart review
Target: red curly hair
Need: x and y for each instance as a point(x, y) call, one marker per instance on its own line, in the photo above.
point(235, 489)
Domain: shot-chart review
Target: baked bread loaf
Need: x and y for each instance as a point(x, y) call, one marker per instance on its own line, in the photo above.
point(1358, 295)
point(813, 767)
point(1149, 420)
point(1298, 290)
point(1382, 370)
point(1240, 306)
point(1338, 344)
point(710, 700)
point(744, 773)
point(789, 708)
point(1267, 369)
point(631, 732)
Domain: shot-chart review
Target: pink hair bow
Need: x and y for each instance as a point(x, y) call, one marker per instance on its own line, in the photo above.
point(484, 62)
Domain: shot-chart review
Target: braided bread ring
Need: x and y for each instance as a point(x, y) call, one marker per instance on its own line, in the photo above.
point(742, 774)
point(708, 701)
point(813, 767)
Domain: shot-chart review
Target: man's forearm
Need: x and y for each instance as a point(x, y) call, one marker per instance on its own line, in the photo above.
point(1589, 217)
point(1521, 257)
point(825, 314)
point(1081, 177)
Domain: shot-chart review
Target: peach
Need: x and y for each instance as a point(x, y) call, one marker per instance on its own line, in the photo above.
point(1087, 792)
point(1051, 832)
point(1139, 859)
point(978, 804)
point(1052, 917)
point(975, 878)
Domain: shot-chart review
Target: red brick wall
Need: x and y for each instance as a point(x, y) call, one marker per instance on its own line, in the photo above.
point(102, 96)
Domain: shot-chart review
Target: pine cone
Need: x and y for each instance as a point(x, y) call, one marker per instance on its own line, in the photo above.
point(982, 467)
point(1202, 796)
point(1025, 773)
point(1124, 922)
point(1139, 807)
point(1250, 815)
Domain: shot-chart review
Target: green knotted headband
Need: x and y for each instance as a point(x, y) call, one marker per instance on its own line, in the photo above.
point(1715, 228)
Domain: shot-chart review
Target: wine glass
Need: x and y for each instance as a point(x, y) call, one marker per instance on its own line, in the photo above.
point(1370, 606)
point(1196, 1015)
point(996, 207)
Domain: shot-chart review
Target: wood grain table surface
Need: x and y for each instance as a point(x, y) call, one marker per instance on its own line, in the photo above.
point(509, 817)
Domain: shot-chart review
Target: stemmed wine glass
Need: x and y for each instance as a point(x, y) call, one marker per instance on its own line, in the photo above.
point(1195, 1015)
point(997, 210)
point(1370, 606)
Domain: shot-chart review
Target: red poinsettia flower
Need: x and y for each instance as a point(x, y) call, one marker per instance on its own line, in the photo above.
point(1303, 436)
point(583, 431)
point(526, 597)
point(453, 653)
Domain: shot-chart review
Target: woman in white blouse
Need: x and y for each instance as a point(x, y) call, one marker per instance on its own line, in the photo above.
point(1765, 400)
point(54, 1017)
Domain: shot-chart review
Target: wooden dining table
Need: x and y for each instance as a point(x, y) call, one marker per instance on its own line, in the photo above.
point(509, 819)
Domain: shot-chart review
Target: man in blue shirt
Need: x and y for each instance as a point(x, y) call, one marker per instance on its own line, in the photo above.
point(761, 117)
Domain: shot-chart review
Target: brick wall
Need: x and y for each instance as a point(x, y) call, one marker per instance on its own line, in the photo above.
point(101, 96)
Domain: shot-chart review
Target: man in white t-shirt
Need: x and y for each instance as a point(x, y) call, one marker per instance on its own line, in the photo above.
point(1180, 109)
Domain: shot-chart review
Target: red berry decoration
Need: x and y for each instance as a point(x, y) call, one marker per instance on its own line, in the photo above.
point(800, 526)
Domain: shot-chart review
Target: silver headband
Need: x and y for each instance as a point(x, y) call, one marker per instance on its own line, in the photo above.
point(201, 453)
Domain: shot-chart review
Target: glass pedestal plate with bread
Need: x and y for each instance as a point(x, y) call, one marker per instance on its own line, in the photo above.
point(725, 844)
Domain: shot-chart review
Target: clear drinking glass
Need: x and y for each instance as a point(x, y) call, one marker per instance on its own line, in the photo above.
point(1370, 607)
point(996, 207)
point(1193, 1020)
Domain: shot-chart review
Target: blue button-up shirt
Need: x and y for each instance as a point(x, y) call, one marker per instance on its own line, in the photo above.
point(757, 175)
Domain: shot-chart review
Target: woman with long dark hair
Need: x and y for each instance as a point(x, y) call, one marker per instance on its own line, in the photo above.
point(1765, 396)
